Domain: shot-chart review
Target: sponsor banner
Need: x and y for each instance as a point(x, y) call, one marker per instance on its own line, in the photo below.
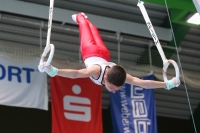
point(133, 109)
point(76, 105)
point(22, 84)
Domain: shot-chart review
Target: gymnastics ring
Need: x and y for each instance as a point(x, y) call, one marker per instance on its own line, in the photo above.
point(165, 66)
point(48, 48)
point(158, 45)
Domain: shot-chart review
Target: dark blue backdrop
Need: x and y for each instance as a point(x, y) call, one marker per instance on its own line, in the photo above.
point(133, 109)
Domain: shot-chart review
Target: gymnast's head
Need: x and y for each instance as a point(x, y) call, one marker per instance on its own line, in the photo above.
point(115, 78)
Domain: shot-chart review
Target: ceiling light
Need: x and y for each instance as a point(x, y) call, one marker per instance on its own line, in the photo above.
point(195, 19)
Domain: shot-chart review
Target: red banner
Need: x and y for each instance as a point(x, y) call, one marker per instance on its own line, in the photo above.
point(76, 106)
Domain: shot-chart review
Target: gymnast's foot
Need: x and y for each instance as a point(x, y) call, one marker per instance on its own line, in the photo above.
point(74, 17)
point(84, 15)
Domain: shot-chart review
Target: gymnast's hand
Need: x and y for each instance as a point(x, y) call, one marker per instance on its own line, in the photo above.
point(49, 69)
point(172, 83)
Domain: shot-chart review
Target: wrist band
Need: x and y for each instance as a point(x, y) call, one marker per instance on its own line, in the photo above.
point(53, 72)
point(169, 85)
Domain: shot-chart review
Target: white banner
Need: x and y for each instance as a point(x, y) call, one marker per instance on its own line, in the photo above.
point(22, 85)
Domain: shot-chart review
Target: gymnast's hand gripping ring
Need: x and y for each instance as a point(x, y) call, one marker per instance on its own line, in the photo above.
point(166, 64)
point(48, 48)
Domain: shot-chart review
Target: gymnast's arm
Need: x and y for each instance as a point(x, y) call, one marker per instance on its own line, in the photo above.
point(148, 84)
point(82, 73)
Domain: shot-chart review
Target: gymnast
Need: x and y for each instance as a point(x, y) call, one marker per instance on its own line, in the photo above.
point(99, 69)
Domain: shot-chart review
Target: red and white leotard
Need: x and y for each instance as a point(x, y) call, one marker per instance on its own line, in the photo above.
point(93, 50)
point(102, 63)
